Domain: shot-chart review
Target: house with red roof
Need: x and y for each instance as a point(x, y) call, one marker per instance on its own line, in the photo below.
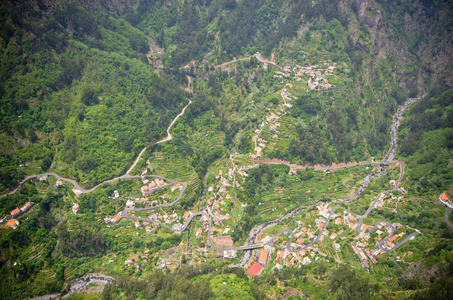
point(15, 212)
point(75, 208)
point(445, 200)
point(255, 269)
point(26, 206)
point(392, 239)
point(116, 219)
point(13, 223)
point(263, 257)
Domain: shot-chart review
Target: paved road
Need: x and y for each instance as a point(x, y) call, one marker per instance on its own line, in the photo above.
point(446, 218)
point(382, 242)
point(249, 57)
point(233, 61)
point(136, 161)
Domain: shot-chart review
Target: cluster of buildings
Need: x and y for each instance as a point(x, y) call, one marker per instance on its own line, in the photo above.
point(313, 74)
point(287, 96)
point(133, 260)
point(260, 262)
point(360, 246)
point(149, 187)
point(13, 223)
point(219, 202)
point(316, 75)
point(113, 220)
point(144, 201)
point(271, 120)
point(288, 259)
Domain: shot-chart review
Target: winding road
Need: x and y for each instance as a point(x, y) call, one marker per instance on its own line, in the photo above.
point(249, 57)
point(206, 214)
point(169, 137)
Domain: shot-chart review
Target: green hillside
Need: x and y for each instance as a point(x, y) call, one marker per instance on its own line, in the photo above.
point(282, 115)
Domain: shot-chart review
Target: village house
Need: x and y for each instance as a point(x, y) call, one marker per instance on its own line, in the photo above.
point(130, 204)
point(13, 223)
point(77, 192)
point(226, 254)
point(292, 172)
point(15, 212)
point(391, 240)
point(128, 262)
point(116, 219)
point(175, 187)
point(264, 254)
point(445, 200)
point(320, 225)
point(26, 207)
point(306, 261)
point(75, 208)
point(361, 256)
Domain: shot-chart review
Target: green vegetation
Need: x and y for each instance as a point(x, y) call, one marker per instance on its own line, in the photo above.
point(427, 144)
point(85, 87)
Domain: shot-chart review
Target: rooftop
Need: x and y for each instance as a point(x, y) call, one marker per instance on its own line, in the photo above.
point(255, 269)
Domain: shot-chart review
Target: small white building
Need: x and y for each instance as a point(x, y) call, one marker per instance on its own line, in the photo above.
point(75, 208)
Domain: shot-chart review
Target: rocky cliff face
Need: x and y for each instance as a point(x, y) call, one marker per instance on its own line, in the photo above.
point(419, 42)
point(419, 271)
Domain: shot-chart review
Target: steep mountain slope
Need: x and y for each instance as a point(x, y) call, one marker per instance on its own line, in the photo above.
point(86, 85)
point(77, 91)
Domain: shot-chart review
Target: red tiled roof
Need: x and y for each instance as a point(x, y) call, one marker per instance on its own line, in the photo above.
point(11, 223)
point(263, 256)
point(255, 269)
point(445, 197)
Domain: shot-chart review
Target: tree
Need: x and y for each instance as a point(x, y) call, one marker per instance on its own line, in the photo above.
point(89, 96)
point(347, 285)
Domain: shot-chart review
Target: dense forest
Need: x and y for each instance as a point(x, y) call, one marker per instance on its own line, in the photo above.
point(79, 84)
